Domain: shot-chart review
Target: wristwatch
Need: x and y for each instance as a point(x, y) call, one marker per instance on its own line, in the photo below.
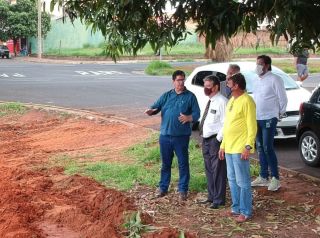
point(248, 147)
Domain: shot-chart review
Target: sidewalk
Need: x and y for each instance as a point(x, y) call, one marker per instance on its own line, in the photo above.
point(106, 60)
point(131, 59)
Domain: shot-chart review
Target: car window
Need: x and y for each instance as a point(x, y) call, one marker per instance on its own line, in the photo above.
point(198, 78)
point(249, 76)
point(315, 97)
point(289, 83)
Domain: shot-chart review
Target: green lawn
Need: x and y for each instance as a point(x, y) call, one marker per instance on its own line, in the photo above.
point(144, 168)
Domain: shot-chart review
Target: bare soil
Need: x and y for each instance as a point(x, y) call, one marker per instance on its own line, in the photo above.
point(40, 200)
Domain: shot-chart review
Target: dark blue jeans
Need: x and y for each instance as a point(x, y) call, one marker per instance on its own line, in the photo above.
point(168, 146)
point(264, 142)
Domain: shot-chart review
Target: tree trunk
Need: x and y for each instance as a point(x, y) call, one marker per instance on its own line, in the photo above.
point(15, 47)
point(221, 53)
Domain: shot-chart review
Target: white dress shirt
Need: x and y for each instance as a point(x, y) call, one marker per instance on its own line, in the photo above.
point(213, 123)
point(270, 96)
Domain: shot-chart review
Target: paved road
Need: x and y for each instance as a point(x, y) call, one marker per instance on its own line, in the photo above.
point(120, 89)
point(97, 87)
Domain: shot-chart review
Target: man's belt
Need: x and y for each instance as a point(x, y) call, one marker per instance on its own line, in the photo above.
point(210, 137)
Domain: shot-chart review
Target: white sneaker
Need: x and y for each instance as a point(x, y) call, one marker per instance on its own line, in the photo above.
point(274, 184)
point(260, 182)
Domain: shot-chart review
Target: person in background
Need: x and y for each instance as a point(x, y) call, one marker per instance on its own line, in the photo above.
point(211, 132)
point(179, 107)
point(224, 90)
point(301, 60)
point(271, 101)
point(239, 132)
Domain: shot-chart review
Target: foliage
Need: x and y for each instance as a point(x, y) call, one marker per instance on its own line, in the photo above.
point(135, 226)
point(20, 20)
point(159, 68)
point(12, 108)
point(129, 25)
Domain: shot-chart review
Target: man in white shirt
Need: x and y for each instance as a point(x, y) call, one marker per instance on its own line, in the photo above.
point(271, 100)
point(211, 131)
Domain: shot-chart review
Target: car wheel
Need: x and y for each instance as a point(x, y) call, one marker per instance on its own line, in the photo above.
point(309, 147)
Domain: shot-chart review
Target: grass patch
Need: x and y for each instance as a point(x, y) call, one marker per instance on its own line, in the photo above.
point(162, 68)
point(91, 51)
point(69, 163)
point(87, 51)
point(185, 49)
point(12, 108)
point(155, 67)
point(122, 176)
point(260, 50)
point(254, 167)
point(159, 68)
point(144, 170)
point(289, 67)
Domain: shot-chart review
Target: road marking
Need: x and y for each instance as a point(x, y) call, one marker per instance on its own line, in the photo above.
point(96, 73)
point(18, 75)
point(15, 75)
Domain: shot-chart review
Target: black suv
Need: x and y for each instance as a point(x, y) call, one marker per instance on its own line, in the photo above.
point(4, 51)
point(308, 130)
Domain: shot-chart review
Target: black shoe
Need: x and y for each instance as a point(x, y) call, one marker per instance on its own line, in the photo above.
point(204, 201)
point(215, 206)
point(183, 196)
point(161, 194)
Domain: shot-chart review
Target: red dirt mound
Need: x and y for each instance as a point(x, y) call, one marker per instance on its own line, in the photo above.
point(39, 201)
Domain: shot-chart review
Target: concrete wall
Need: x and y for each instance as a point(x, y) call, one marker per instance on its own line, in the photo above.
point(66, 35)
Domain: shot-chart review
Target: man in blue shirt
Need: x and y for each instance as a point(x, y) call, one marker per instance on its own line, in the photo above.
point(179, 107)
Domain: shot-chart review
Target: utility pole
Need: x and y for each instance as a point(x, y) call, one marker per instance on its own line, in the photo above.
point(39, 30)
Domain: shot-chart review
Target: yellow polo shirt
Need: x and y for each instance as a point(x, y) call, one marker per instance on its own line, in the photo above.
point(240, 125)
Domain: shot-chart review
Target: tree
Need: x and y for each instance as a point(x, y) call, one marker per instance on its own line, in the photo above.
point(129, 25)
point(20, 20)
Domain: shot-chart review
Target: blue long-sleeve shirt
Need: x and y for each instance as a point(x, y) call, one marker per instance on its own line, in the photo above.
point(171, 105)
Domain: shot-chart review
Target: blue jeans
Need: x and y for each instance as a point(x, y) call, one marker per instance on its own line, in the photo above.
point(264, 142)
point(168, 146)
point(238, 172)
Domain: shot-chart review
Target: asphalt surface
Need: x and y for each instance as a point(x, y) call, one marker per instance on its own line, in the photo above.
point(121, 89)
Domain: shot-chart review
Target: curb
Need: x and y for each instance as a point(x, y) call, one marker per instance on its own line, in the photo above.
point(299, 174)
point(86, 114)
point(104, 60)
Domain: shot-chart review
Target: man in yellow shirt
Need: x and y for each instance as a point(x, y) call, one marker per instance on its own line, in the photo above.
point(239, 133)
